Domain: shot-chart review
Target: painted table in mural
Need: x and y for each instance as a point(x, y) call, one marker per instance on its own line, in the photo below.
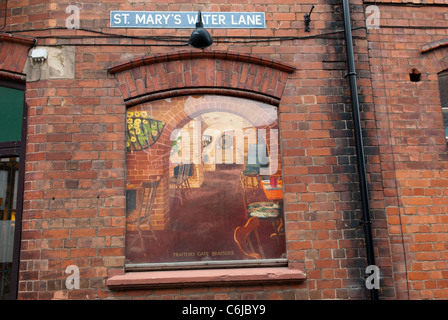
point(274, 194)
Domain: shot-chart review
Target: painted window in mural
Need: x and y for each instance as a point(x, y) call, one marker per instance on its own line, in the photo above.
point(203, 181)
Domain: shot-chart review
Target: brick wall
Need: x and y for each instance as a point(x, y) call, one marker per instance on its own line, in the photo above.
point(74, 209)
point(412, 139)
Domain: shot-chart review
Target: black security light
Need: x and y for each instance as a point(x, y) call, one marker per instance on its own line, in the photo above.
point(200, 38)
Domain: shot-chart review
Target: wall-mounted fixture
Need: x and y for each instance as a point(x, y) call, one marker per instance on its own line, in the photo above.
point(39, 55)
point(308, 20)
point(200, 38)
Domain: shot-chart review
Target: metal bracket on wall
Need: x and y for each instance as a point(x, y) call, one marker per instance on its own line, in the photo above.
point(308, 20)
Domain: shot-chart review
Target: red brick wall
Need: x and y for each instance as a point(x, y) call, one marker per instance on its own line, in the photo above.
point(413, 146)
point(74, 209)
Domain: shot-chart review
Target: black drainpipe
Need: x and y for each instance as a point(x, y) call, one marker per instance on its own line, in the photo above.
point(359, 143)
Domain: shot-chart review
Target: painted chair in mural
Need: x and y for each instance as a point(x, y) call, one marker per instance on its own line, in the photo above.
point(254, 162)
point(243, 238)
point(252, 165)
point(177, 182)
point(249, 180)
point(149, 191)
point(187, 172)
point(250, 175)
point(264, 210)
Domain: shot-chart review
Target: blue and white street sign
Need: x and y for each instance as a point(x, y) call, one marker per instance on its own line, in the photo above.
point(181, 20)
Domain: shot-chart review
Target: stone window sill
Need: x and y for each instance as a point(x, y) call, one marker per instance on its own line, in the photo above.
point(204, 277)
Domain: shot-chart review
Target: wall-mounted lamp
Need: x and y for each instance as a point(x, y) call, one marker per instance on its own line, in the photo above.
point(308, 20)
point(39, 55)
point(200, 38)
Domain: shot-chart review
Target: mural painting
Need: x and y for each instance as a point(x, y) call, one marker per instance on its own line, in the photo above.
point(203, 181)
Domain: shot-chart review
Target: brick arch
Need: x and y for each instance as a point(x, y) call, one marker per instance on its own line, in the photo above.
point(437, 53)
point(13, 55)
point(201, 72)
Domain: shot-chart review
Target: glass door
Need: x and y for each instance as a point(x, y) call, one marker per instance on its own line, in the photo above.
point(9, 175)
point(13, 114)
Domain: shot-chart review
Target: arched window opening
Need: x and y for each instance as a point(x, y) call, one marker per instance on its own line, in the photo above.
point(204, 184)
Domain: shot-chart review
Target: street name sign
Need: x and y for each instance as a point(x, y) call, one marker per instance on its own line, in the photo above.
point(182, 19)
